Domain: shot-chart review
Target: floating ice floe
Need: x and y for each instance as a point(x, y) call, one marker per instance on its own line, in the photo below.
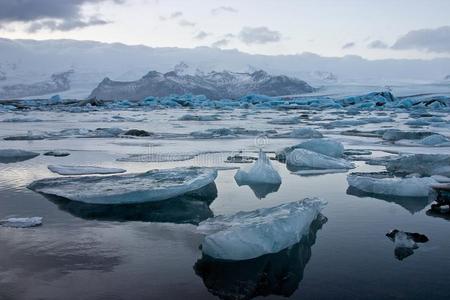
point(318, 172)
point(15, 155)
point(158, 157)
point(247, 235)
point(405, 242)
point(57, 153)
point(154, 185)
point(423, 164)
point(403, 187)
point(285, 120)
point(189, 117)
point(21, 222)
point(435, 140)
point(394, 135)
point(83, 170)
point(326, 147)
point(302, 158)
point(305, 133)
point(261, 171)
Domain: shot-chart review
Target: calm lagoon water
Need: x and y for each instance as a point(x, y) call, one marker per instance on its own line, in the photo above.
point(152, 251)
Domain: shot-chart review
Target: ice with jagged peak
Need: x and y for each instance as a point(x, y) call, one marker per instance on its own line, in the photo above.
point(396, 186)
point(21, 222)
point(302, 158)
point(261, 172)
point(423, 164)
point(247, 235)
point(435, 140)
point(154, 185)
point(15, 155)
point(83, 170)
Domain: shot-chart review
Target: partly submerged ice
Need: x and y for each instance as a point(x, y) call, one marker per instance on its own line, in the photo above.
point(403, 187)
point(83, 170)
point(261, 171)
point(302, 158)
point(326, 147)
point(423, 164)
point(154, 185)
point(247, 235)
point(21, 222)
point(15, 155)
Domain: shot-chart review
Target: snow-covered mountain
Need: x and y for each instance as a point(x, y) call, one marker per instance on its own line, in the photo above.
point(58, 82)
point(214, 85)
point(31, 61)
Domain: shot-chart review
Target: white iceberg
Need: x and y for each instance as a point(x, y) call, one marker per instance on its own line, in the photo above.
point(403, 187)
point(154, 185)
point(303, 158)
point(285, 120)
point(83, 170)
point(15, 155)
point(247, 235)
point(261, 171)
point(21, 222)
point(423, 164)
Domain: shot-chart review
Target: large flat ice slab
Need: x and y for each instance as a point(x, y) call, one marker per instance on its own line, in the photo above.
point(15, 155)
point(423, 164)
point(302, 158)
point(83, 170)
point(247, 235)
point(21, 222)
point(403, 187)
point(154, 185)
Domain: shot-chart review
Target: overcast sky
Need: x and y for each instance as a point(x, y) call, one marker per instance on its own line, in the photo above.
point(371, 29)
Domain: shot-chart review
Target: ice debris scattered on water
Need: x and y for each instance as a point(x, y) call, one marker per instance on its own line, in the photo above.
point(247, 235)
point(306, 159)
point(15, 155)
point(154, 185)
point(21, 222)
point(395, 186)
point(260, 172)
point(83, 170)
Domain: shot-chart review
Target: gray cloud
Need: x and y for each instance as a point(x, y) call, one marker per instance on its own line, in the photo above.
point(220, 43)
point(51, 14)
point(223, 9)
point(186, 23)
point(431, 40)
point(259, 35)
point(377, 44)
point(348, 45)
point(177, 14)
point(201, 35)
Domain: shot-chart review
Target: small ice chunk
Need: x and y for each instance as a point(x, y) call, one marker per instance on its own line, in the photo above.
point(303, 158)
point(57, 153)
point(15, 155)
point(403, 187)
point(189, 117)
point(261, 171)
point(441, 179)
point(401, 240)
point(285, 120)
point(154, 185)
point(21, 222)
point(83, 170)
point(247, 235)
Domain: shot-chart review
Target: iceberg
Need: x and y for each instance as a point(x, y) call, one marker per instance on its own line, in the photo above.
point(83, 170)
point(403, 187)
point(247, 235)
point(15, 155)
point(261, 171)
point(271, 274)
point(326, 147)
point(285, 121)
point(189, 117)
point(302, 158)
point(435, 140)
point(394, 135)
point(305, 133)
point(423, 164)
point(21, 222)
point(154, 185)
